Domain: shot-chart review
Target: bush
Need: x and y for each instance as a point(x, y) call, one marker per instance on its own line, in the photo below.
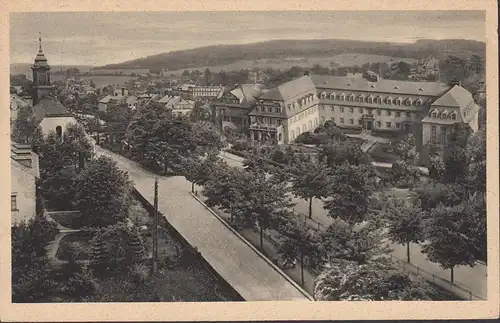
point(139, 273)
point(81, 284)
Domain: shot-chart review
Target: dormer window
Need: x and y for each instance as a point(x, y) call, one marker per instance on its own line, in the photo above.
point(434, 114)
point(408, 102)
point(361, 98)
point(388, 100)
point(398, 101)
point(370, 99)
point(323, 95)
point(351, 97)
point(420, 89)
point(289, 106)
point(418, 102)
point(332, 96)
point(453, 116)
point(379, 100)
point(342, 97)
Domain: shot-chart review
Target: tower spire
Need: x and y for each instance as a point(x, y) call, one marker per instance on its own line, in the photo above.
point(40, 41)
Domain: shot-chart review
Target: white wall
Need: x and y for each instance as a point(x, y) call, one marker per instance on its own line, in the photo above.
point(49, 124)
point(23, 185)
point(295, 125)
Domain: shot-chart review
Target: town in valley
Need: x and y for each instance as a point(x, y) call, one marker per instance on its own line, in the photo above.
point(314, 169)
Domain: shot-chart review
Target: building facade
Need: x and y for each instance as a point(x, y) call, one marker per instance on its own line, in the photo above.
point(233, 105)
point(205, 92)
point(24, 174)
point(301, 105)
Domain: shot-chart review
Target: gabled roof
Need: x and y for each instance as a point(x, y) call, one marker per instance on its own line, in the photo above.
point(382, 85)
point(50, 107)
point(273, 94)
point(456, 97)
point(290, 90)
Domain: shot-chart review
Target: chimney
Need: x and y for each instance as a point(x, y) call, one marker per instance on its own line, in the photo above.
point(455, 82)
point(123, 91)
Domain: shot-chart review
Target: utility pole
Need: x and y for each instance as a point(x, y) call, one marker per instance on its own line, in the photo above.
point(155, 228)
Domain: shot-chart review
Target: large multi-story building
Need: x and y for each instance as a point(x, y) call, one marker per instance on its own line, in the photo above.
point(301, 105)
point(232, 107)
point(204, 92)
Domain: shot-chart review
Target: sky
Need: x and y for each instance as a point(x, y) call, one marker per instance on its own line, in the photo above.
point(99, 38)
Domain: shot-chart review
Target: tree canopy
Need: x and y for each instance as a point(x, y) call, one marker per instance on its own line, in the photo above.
point(102, 193)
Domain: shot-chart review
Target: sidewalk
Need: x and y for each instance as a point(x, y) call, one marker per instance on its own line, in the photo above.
point(249, 274)
point(271, 245)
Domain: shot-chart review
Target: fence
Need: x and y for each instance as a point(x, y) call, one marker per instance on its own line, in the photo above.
point(441, 282)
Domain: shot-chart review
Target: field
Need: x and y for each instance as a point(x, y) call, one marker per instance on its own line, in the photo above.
point(340, 60)
point(99, 80)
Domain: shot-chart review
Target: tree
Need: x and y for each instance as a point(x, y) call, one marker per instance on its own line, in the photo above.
point(25, 129)
point(99, 256)
point(102, 193)
point(309, 180)
point(360, 243)
point(200, 171)
point(476, 155)
point(403, 175)
point(207, 76)
point(257, 199)
point(374, 281)
point(349, 192)
point(340, 152)
point(405, 148)
point(433, 193)
point(300, 243)
point(59, 160)
point(449, 238)
point(31, 271)
point(455, 154)
point(136, 250)
point(405, 222)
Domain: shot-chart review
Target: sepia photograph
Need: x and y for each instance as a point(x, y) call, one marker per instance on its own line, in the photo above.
point(240, 156)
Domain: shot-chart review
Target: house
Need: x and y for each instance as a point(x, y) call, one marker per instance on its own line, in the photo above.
point(204, 92)
point(456, 105)
point(177, 105)
point(52, 116)
point(233, 105)
point(131, 102)
point(24, 174)
point(301, 105)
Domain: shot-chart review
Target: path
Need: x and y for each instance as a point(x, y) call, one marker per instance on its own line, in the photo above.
point(250, 275)
point(471, 278)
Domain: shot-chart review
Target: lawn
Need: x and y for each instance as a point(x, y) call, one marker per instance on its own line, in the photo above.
point(81, 238)
point(68, 219)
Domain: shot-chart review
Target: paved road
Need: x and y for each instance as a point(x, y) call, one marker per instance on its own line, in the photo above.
point(250, 275)
point(471, 278)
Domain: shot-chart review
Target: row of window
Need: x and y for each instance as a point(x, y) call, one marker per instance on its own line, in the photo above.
point(302, 101)
point(304, 114)
point(388, 125)
point(444, 115)
point(267, 121)
point(434, 135)
point(305, 127)
point(370, 111)
point(263, 108)
point(371, 99)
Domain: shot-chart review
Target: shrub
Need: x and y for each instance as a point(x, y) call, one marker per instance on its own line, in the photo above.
point(139, 273)
point(81, 284)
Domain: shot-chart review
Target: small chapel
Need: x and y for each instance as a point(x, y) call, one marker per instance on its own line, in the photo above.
point(51, 114)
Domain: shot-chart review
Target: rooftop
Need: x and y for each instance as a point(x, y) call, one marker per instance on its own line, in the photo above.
point(382, 85)
point(456, 97)
point(50, 107)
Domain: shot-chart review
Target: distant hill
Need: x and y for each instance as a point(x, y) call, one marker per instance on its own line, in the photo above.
point(25, 68)
point(219, 55)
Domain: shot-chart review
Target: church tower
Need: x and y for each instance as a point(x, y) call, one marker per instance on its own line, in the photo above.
point(41, 76)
